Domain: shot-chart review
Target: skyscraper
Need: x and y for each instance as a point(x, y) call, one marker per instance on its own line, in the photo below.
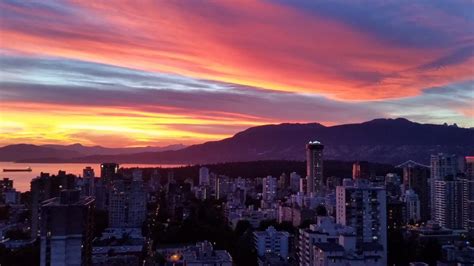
point(45, 187)
point(469, 194)
point(88, 181)
point(295, 181)
point(361, 169)
point(314, 167)
point(363, 207)
point(127, 204)
point(269, 191)
point(448, 202)
point(442, 165)
point(67, 230)
point(88, 172)
point(416, 177)
point(204, 176)
point(108, 171)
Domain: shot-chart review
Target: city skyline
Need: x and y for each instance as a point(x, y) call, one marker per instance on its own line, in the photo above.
point(285, 132)
point(166, 73)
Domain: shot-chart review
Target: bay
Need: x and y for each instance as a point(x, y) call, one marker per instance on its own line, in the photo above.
point(21, 180)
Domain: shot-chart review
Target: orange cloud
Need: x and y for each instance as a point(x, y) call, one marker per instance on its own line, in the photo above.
point(54, 123)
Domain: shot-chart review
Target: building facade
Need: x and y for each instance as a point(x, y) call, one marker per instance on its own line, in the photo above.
point(67, 230)
point(271, 241)
point(363, 207)
point(314, 167)
point(127, 204)
point(442, 165)
point(416, 177)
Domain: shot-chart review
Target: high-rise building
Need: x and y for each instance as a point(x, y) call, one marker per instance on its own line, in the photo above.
point(269, 191)
point(363, 207)
point(271, 241)
point(361, 169)
point(109, 171)
point(442, 165)
point(412, 203)
point(88, 181)
point(127, 204)
point(45, 187)
point(88, 172)
point(448, 202)
point(416, 177)
point(67, 229)
point(295, 182)
point(314, 167)
point(396, 213)
point(469, 194)
point(204, 176)
point(223, 186)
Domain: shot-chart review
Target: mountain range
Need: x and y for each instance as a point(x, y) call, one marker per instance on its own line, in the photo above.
point(380, 140)
point(27, 152)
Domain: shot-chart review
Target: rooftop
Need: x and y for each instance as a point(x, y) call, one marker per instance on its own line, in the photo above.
point(329, 247)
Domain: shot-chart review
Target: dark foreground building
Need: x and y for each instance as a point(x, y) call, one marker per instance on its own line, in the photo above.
point(67, 229)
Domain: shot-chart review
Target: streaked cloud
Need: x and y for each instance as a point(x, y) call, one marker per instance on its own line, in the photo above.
point(82, 71)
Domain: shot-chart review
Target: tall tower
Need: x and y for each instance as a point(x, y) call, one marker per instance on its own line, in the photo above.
point(469, 194)
point(127, 204)
point(314, 167)
point(448, 202)
point(45, 187)
point(415, 177)
point(204, 176)
point(269, 191)
point(108, 171)
point(442, 165)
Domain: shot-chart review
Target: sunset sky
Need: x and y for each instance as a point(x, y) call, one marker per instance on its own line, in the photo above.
point(137, 73)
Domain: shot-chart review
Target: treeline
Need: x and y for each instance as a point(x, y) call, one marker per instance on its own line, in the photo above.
point(264, 168)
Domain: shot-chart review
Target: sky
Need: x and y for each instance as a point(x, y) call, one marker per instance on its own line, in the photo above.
point(138, 73)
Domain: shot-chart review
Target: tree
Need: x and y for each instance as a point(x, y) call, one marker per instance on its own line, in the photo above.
point(321, 210)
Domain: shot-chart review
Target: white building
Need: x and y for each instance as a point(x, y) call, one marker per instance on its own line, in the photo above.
point(328, 243)
point(442, 165)
point(363, 206)
point(448, 202)
point(271, 241)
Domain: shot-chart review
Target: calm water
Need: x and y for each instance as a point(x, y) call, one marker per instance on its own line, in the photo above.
point(21, 180)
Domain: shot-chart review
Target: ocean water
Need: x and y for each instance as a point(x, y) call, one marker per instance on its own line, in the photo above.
point(21, 180)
